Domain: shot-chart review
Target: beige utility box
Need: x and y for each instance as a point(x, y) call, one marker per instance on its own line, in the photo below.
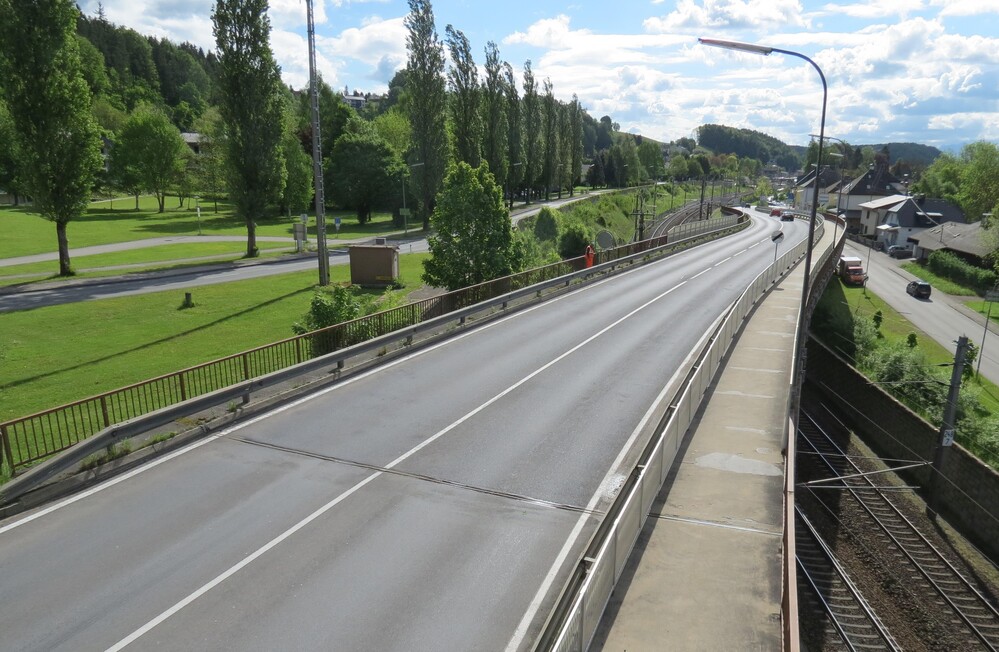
point(374, 265)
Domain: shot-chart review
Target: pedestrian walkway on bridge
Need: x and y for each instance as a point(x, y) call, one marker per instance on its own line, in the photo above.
point(706, 570)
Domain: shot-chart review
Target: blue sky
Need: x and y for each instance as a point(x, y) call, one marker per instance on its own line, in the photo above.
point(922, 71)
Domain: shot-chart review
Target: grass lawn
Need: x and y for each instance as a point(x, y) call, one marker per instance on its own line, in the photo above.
point(25, 232)
point(142, 259)
point(51, 356)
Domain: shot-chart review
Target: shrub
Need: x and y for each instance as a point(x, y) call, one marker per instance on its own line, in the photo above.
point(546, 226)
point(948, 265)
point(574, 240)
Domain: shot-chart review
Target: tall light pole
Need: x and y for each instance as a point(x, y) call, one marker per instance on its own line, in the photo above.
point(802, 321)
point(405, 211)
point(317, 156)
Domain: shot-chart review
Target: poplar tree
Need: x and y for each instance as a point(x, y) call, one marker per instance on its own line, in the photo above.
point(494, 147)
point(58, 141)
point(550, 138)
point(463, 81)
point(427, 105)
point(252, 109)
point(532, 130)
point(515, 129)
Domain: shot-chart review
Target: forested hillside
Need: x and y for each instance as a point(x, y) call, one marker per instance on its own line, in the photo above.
point(747, 143)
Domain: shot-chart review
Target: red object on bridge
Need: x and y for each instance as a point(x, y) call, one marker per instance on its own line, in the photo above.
point(589, 256)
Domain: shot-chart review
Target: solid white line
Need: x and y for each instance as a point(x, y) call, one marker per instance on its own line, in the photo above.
point(322, 510)
point(535, 605)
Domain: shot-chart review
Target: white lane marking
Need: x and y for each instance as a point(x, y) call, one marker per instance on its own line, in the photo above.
point(535, 605)
point(722, 262)
point(131, 638)
point(703, 271)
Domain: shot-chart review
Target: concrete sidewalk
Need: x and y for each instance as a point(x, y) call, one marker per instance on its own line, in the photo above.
point(706, 570)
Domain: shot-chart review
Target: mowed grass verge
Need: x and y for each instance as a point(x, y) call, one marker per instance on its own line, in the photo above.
point(54, 355)
point(25, 232)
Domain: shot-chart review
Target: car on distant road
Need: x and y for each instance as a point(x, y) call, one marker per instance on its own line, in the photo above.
point(774, 212)
point(900, 251)
point(918, 289)
point(787, 216)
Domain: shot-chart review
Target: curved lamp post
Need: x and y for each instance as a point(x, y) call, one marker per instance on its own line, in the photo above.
point(802, 322)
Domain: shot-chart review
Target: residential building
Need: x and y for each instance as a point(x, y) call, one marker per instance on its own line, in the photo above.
point(899, 219)
point(965, 240)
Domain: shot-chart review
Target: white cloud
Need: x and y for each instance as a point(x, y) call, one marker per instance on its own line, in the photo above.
point(966, 7)
point(548, 33)
point(727, 15)
point(872, 9)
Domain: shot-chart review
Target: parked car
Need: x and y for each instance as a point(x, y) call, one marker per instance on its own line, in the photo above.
point(918, 289)
point(900, 251)
point(787, 216)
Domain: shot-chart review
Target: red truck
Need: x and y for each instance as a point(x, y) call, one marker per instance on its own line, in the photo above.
point(851, 270)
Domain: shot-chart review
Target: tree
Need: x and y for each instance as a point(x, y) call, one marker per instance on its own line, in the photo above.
point(942, 179)
point(211, 167)
point(494, 147)
point(514, 129)
point(576, 140)
point(298, 170)
point(148, 150)
point(651, 158)
point(394, 128)
point(251, 108)
point(463, 82)
point(368, 170)
point(427, 104)
point(550, 138)
point(8, 154)
point(532, 130)
point(473, 239)
point(58, 140)
point(980, 179)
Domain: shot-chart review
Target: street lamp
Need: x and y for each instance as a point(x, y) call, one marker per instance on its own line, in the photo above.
point(802, 322)
point(404, 212)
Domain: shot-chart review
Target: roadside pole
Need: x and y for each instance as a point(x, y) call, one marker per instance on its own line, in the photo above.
point(947, 427)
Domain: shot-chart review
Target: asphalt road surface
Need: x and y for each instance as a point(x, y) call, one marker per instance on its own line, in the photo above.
point(437, 502)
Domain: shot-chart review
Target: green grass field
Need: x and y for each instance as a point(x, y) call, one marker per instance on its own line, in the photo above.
point(25, 232)
point(51, 356)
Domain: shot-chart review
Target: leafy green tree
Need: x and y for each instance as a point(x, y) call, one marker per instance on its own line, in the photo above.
point(651, 158)
point(427, 105)
point(494, 147)
point(150, 148)
point(298, 177)
point(251, 108)
point(463, 82)
point(576, 142)
point(979, 179)
point(550, 138)
point(515, 129)
point(677, 168)
point(211, 167)
point(394, 128)
point(8, 153)
point(942, 179)
point(59, 151)
point(473, 239)
point(368, 170)
point(532, 129)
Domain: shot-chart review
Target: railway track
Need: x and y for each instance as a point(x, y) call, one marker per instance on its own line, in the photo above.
point(958, 603)
point(849, 619)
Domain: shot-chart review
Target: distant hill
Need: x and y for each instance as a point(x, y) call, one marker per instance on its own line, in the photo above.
point(747, 143)
point(912, 153)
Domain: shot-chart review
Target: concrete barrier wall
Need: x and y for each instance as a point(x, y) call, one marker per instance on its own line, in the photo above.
point(969, 490)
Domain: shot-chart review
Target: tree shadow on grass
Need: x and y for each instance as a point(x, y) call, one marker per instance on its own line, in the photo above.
point(118, 354)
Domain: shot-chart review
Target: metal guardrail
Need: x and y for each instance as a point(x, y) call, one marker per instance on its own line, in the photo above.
point(575, 619)
point(27, 440)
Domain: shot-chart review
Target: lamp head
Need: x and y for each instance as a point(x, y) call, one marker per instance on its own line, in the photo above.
point(736, 45)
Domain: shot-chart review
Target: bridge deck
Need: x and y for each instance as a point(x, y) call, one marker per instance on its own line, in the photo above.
point(706, 570)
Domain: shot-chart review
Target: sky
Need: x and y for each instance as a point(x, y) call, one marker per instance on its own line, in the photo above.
point(924, 71)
